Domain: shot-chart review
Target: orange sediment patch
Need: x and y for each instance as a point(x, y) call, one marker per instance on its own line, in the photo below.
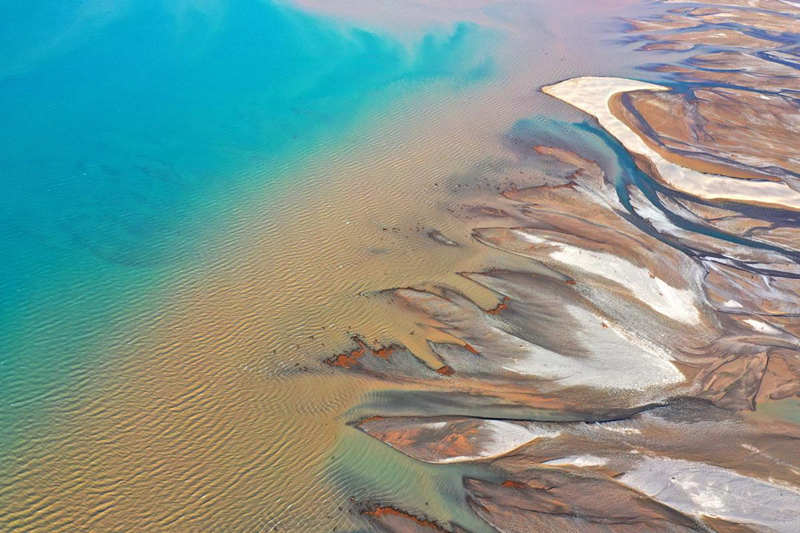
point(514, 484)
point(385, 351)
point(470, 349)
point(371, 419)
point(349, 359)
point(503, 305)
point(457, 444)
point(386, 511)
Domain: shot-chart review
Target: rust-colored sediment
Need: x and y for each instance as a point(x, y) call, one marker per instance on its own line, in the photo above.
point(348, 359)
point(728, 328)
point(385, 352)
point(351, 358)
point(445, 370)
point(502, 306)
point(370, 419)
point(470, 349)
point(386, 511)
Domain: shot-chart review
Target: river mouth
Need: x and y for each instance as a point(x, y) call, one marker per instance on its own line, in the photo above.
point(447, 223)
point(637, 315)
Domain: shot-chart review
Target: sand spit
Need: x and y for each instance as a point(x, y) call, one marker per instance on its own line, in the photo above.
point(455, 440)
point(605, 341)
point(396, 521)
point(611, 388)
point(612, 297)
point(593, 94)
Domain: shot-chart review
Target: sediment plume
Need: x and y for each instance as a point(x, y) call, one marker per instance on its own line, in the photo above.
point(612, 387)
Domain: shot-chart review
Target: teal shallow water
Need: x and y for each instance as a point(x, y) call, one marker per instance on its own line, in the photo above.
point(160, 334)
point(128, 129)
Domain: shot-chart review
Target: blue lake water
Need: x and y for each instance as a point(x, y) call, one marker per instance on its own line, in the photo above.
point(126, 125)
point(161, 345)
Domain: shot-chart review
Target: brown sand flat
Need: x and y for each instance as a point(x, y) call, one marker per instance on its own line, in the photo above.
point(646, 331)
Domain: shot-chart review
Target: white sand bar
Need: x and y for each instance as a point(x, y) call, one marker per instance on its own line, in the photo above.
point(592, 94)
point(495, 438)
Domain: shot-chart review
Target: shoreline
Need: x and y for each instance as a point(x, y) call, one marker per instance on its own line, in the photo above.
point(694, 270)
point(594, 96)
point(476, 311)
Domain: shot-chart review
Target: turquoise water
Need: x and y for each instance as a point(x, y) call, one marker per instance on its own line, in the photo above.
point(126, 125)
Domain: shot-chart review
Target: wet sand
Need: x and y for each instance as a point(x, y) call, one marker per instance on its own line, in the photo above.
point(216, 410)
point(542, 327)
point(615, 386)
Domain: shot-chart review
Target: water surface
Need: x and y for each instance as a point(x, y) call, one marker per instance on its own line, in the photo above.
point(197, 196)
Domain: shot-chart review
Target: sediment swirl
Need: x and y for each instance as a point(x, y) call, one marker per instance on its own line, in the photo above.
point(613, 386)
